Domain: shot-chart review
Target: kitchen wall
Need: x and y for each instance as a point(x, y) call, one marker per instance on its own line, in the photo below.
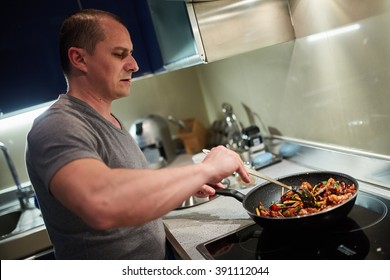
point(176, 93)
point(331, 87)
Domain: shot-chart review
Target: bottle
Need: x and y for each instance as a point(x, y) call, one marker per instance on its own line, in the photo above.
point(234, 134)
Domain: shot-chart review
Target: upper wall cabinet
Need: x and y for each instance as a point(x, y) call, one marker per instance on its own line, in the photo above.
point(314, 16)
point(174, 33)
point(225, 28)
point(30, 71)
point(161, 32)
point(136, 16)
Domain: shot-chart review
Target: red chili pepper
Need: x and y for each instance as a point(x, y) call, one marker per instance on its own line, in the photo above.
point(274, 207)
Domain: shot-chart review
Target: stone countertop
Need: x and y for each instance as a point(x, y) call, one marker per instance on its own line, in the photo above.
point(188, 227)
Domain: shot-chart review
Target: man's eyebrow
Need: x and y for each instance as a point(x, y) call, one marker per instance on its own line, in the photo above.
point(122, 49)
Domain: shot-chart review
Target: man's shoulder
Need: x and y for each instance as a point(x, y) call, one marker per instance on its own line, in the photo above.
point(62, 109)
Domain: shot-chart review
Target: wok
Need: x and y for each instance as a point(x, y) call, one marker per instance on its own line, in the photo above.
point(268, 193)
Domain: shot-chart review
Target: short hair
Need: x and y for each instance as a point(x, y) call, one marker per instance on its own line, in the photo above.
point(82, 29)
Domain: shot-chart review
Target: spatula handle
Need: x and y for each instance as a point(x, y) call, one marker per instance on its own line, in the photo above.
point(259, 175)
point(265, 177)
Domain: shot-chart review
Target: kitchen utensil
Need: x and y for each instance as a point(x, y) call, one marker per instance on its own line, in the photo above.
point(179, 123)
point(268, 194)
point(234, 128)
point(251, 118)
point(250, 114)
point(154, 138)
point(194, 201)
point(306, 197)
point(195, 139)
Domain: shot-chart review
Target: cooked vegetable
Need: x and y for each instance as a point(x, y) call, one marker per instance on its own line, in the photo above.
point(327, 194)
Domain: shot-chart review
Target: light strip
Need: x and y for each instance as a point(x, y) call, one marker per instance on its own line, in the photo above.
point(331, 33)
point(21, 119)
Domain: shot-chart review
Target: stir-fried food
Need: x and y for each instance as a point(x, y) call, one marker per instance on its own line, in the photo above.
point(327, 194)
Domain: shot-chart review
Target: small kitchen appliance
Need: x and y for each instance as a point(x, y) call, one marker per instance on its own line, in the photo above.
point(153, 136)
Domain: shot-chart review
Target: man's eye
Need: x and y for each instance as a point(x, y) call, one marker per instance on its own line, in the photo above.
point(120, 55)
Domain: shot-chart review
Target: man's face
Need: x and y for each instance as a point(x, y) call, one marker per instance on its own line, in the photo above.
point(111, 65)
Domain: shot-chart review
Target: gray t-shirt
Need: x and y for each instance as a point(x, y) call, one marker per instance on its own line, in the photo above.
point(69, 130)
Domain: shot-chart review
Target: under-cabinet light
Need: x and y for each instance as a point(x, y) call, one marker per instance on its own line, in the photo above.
point(331, 33)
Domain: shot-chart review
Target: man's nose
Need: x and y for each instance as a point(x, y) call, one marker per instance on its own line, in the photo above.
point(131, 65)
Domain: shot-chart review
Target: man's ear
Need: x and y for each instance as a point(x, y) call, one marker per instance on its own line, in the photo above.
point(76, 58)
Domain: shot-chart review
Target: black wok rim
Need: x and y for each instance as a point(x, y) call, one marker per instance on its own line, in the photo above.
point(351, 200)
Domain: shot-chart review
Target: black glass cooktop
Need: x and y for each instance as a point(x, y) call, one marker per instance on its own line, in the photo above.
point(363, 234)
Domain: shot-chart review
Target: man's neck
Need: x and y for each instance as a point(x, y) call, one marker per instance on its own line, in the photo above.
point(102, 106)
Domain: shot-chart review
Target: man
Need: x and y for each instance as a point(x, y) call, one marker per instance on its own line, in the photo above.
point(97, 198)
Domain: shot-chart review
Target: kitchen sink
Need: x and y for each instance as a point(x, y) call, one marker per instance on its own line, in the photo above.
point(8, 222)
point(22, 234)
point(22, 231)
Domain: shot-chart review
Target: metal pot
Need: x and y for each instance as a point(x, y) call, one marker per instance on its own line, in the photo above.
point(269, 192)
point(154, 138)
point(193, 200)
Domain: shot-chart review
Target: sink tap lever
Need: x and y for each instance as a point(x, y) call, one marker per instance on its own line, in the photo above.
point(23, 193)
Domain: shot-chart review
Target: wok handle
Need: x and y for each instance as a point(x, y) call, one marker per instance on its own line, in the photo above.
point(230, 192)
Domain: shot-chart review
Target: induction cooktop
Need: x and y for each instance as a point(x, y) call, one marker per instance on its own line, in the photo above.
point(363, 234)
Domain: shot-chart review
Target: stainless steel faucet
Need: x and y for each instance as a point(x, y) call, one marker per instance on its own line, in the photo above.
point(23, 193)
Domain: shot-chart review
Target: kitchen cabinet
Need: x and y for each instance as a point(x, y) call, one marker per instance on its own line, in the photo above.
point(31, 73)
point(312, 16)
point(227, 28)
point(175, 34)
point(161, 32)
point(138, 20)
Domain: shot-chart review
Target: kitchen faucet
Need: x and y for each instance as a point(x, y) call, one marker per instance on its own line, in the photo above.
point(23, 193)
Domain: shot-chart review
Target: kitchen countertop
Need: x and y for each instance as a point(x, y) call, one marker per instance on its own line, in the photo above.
point(188, 227)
